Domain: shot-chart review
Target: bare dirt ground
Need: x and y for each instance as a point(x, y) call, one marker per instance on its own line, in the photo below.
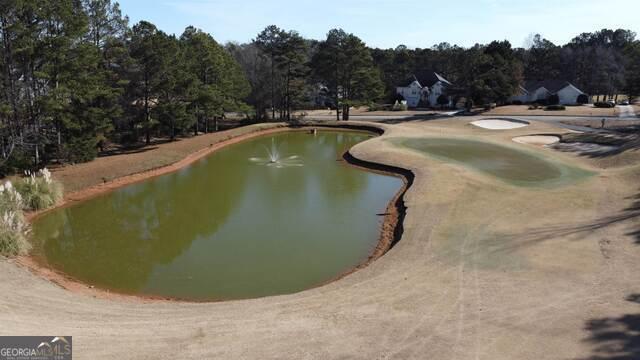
point(523, 110)
point(484, 270)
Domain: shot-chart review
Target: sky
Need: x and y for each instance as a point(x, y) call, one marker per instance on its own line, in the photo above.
point(389, 23)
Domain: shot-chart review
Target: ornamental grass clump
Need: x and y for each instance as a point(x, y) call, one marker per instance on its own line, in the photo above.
point(36, 191)
point(13, 227)
point(39, 190)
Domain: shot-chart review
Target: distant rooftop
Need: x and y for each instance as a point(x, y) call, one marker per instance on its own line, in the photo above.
point(553, 85)
point(425, 79)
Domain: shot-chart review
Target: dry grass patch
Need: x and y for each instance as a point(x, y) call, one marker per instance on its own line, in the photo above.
point(523, 110)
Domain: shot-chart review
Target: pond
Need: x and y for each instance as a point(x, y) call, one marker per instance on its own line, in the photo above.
point(233, 225)
point(514, 166)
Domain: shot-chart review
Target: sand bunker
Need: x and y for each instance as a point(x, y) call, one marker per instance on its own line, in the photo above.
point(500, 124)
point(540, 140)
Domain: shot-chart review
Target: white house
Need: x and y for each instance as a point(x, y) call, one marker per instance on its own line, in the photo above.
point(320, 96)
point(532, 91)
point(423, 89)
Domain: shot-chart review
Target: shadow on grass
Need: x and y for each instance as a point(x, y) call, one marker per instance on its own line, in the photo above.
point(615, 338)
point(599, 145)
point(127, 150)
point(534, 236)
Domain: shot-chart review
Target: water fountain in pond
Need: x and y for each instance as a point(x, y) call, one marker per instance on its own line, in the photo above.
point(275, 159)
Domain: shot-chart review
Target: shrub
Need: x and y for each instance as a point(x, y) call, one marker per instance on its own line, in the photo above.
point(582, 99)
point(39, 190)
point(81, 149)
point(13, 227)
point(10, 199)
point(553, 100)
point(516, 102)
point(443, 100)
point(375, 107)
point(13, 242)
point(555, 107)
point(399, 106)
point(17, 161)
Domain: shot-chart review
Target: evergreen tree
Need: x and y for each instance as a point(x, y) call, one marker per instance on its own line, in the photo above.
point(291, 62)
point(220, 84)
point(269, 41)
point(175, 89)
point(542, 60)
point(632, 53)
point(344, 64)
point(150, 52)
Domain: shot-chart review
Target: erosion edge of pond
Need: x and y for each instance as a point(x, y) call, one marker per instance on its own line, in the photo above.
point(391, 228)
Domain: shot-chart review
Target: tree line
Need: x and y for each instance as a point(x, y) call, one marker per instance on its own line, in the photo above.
point(344, 71)
point(602, 63)
point(288, 72)
point(76, 78)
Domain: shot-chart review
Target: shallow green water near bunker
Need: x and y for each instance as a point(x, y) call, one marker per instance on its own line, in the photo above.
point(233, 225)
point(518, 167)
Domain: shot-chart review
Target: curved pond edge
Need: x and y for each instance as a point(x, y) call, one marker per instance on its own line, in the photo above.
point(391, 229)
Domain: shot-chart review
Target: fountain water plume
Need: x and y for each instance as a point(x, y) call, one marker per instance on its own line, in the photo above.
point(274, 158)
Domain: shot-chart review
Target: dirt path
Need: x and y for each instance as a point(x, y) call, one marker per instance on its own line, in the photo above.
point(484, 270)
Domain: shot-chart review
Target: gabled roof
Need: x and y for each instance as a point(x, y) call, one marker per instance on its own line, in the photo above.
point(409, 81)
point(553, 85)
point(430, 78)
point(425, 79)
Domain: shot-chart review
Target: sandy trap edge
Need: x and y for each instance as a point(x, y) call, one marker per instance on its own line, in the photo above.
point(540, 140)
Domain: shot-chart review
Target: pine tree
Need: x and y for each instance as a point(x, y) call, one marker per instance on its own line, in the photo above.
point(291, 62)
point(150, 60)
point(269, 41)
point(175, 89)
point(344, 64)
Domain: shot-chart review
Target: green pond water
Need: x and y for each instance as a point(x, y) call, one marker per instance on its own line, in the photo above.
point(518, 167)
point(232, 225)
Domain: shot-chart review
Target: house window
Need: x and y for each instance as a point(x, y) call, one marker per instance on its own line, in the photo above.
point(414, 92)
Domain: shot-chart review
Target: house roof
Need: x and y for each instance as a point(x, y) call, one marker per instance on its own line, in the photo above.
point(553, 85)
point(408, 81)
point(425, 79)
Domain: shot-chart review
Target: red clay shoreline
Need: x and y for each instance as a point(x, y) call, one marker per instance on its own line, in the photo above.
point(390, 229)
